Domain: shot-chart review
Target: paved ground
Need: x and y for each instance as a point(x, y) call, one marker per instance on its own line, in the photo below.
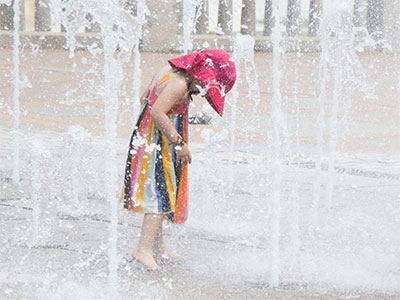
point(74, 96)
point(55, 227)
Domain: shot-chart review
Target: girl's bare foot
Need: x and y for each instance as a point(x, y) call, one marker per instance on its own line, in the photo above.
point(166, 254)
point(146, 259)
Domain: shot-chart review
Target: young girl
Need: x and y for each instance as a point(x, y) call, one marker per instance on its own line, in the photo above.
point(156, 175)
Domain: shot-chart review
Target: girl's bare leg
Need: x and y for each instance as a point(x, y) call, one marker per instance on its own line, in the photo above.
point(144, 250)
point(160, 250)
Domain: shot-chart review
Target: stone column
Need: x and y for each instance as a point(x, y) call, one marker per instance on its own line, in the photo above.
point(268, 22)
point(392, 24)
point(248, 19)
point(93, 25)
point(375, 12)
point(161, 30)
point(42, 15)
point(357, 13)
point(63, 29)
point(225, 17)
point(22, 15)
point(314, 17)
point(131, 6)
point(293, 18)
point(202, 20)
point(6, 16)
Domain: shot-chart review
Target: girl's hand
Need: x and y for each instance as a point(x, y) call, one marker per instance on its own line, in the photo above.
point(183, 154)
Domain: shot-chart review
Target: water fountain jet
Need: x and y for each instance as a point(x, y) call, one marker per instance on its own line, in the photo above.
point(16, 84)
point(277, 129)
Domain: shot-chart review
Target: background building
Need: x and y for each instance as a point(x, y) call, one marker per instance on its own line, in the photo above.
point(166, 22)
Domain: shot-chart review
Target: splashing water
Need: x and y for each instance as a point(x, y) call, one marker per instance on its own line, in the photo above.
point(249, 207)
point(189, 13)
point(277, 123)
point(16, 83)
point(338, 54)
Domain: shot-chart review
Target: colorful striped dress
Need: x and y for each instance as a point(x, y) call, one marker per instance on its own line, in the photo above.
point(154, 181)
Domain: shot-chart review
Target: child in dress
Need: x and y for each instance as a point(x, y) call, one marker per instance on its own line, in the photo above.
point(156, 175)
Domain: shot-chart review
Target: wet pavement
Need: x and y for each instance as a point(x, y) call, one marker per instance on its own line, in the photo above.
point(346, 249)
point(74, 88)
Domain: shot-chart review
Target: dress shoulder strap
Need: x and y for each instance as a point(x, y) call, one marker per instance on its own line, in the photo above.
point(164, 78)
point(168, 76)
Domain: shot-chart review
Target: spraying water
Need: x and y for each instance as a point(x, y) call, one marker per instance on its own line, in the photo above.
point(189, 13)
point(362, 244)
point(16, 84)
point(324, 70)
point(110, 132)
point(39, 155)
point(236, 56)
point(118, 44)
point(277, 125)
point(77, 137)
point(142, 11)
point(337, 55)
point(243, 52)
point(113, 76)
point(295, 190)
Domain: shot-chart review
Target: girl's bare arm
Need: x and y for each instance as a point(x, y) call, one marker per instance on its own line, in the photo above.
point(172, 94)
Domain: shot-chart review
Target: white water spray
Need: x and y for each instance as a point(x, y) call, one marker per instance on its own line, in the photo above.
point(243, 52)
point(142, 11)
point(295, 189)
point(236, 56)
point(189, 13)
point(112, 79)
point(16, 84)
point(324, 73)
point(333, 132)
point(77, 138)
point(277, 130)
point(55, 12)
point(39, 155)
point(337, 54)
point(72, 22)
point(118, 28)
